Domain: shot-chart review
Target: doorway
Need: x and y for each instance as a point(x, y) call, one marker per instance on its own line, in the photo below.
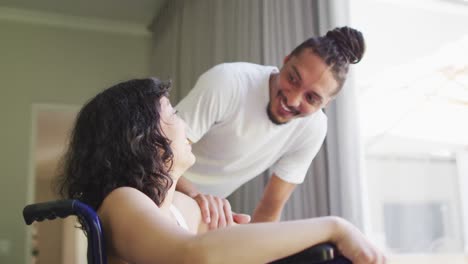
point(57, 241)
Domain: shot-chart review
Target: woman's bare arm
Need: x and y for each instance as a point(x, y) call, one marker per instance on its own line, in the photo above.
point(141, 233)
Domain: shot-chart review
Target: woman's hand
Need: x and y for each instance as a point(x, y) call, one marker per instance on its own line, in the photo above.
point(354, 245)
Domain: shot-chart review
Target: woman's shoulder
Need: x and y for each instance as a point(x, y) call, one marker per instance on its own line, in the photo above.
point(190, 211)
point(128, 216)
point(183, 198)
point(122, 201)
point(124, 195)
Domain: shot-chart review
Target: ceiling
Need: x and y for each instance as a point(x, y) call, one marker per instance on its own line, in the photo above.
point(127, 11)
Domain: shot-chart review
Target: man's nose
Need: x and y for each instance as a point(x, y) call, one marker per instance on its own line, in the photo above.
point(294, 99)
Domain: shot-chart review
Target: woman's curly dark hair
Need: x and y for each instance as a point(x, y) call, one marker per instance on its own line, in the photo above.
point(338, 48)
point(117, 141)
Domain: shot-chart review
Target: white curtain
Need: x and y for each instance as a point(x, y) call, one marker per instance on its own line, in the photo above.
point(192, 36)
point(345, 161)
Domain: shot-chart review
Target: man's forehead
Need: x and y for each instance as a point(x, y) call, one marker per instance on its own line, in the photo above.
point(314, 72)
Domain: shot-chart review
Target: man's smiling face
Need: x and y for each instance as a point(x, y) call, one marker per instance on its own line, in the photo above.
point(304, 85)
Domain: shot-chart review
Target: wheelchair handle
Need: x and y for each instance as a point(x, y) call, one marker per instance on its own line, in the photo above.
point(88, 218)
point(48, 211)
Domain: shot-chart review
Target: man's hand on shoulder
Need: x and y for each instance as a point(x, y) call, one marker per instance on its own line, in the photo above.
point(216, 212)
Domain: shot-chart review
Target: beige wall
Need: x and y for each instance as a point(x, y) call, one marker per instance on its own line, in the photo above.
point(52, 65)
point(49, 233)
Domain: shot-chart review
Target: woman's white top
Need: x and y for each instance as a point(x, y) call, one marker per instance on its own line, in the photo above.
point(179, 217)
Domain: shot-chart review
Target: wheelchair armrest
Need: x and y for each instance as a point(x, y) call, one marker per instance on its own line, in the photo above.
point(49, 210)
point(325, 253)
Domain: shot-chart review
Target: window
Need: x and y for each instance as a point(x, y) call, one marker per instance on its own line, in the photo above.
point(413, 99)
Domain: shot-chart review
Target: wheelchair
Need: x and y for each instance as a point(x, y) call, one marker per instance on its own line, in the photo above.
point(325, 253)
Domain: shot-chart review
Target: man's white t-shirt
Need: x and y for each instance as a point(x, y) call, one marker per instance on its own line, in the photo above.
point(234, 139)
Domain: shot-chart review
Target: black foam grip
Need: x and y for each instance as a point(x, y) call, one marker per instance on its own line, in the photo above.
point(49, 210)
point(325, 253)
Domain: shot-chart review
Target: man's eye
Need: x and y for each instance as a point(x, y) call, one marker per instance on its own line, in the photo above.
point(310, 99)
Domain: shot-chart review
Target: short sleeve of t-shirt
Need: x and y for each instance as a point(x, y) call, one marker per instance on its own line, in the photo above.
point(210, 101)
point(293, 165)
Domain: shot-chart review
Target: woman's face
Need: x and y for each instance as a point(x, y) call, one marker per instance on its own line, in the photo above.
point(174, 129)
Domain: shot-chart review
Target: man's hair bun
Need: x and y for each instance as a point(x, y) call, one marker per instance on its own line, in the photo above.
point(349, 42)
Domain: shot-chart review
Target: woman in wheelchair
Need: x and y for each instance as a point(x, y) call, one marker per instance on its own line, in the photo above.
point(126, 152)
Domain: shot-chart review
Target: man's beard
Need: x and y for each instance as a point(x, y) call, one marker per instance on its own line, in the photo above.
point(272, 117)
